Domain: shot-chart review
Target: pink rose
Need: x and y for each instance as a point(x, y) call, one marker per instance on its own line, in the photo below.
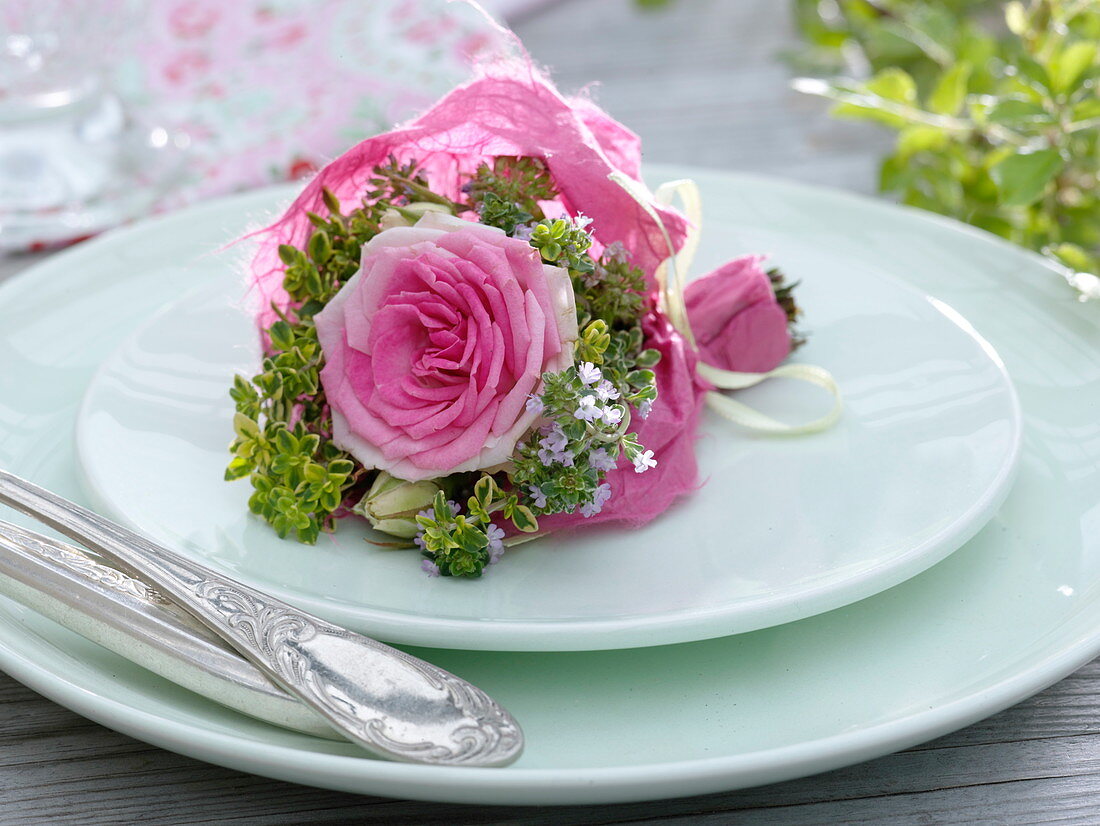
point(737, 322)
point(433, 346)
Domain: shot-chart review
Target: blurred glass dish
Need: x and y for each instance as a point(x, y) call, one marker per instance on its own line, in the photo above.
point(73, 160)
point(111, 109)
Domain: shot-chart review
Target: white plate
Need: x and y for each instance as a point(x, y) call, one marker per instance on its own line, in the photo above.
point(1014, 610)
point(783, 528)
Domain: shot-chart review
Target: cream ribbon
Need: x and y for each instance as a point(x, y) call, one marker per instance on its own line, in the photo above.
point(670, 285)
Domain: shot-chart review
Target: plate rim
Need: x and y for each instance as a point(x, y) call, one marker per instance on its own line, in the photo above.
point(589, 785)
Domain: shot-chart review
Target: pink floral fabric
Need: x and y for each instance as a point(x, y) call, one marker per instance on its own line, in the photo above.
point(259, 91)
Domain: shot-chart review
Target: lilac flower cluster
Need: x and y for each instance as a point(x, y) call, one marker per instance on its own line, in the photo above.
point(614, 253)
point(552, 447)
point(602, 494)
point(582, 438)
point(603, 391)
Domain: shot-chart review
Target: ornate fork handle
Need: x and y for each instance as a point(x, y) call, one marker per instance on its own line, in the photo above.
point(394, 705)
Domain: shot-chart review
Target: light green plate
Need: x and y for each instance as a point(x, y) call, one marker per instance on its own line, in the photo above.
point(781, 529)
point(1014, 610)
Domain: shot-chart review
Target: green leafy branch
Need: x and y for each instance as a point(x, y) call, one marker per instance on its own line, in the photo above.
point(998, 129)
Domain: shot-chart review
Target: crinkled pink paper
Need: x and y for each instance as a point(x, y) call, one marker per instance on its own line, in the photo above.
point(511, 110)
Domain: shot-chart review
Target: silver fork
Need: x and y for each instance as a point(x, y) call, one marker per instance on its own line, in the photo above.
point(394, 705)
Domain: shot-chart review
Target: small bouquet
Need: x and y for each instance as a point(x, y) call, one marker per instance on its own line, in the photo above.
point(472, 337)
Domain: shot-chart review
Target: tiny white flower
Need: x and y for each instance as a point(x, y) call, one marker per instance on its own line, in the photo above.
point(496, 543)
point(534, 403)
point(612, 415)
point(644, 461)
point(606, 391)
point(587, 409)
point(599, 459)
point(589, 373)
point(645, 408)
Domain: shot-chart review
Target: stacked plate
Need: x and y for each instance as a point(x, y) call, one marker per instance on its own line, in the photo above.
point(820, 600)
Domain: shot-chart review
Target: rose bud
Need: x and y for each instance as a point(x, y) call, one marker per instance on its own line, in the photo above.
point(737, 319)
point(391, 505)
point(409, 214)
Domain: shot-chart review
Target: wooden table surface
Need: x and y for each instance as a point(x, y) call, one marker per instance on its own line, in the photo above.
point(701, 83)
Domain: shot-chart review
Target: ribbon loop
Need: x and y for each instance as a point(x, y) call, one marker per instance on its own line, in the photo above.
point(753, 419)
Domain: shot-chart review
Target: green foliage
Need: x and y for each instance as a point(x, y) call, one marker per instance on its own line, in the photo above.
point(997, 126)
point(497, 212)
point(520, 182)
point(298, 476)
point(1022, 178)
point(400, 183)
point(300, 486)
point(563, 242)
point(784, 296)
point(918, 36)
point(329, 257)
point(282, 425)
point(610, 296)
point(613, 291)
point(463, 544)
